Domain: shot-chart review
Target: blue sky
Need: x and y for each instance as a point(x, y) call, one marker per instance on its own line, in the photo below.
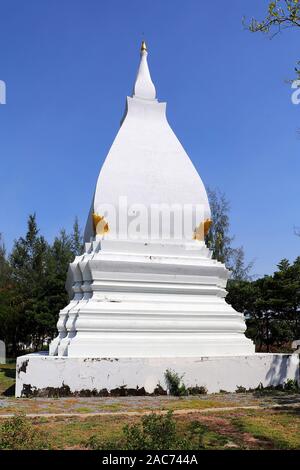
point(68, 66)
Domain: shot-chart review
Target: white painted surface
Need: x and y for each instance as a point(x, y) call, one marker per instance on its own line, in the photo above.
point(146, 163)
point(225, 373)
point(133, 299)
point(146, 298)
point(144, 87)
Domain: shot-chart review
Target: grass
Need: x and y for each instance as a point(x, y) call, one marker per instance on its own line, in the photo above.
point(237, 429)
point(282, 429)
point(240, 429)
point(7, 379)
point(195, 404)
point(73, 433)
point(83, 409)
point(111, 407)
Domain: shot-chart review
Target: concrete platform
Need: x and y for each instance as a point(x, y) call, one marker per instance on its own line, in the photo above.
point(43, 375)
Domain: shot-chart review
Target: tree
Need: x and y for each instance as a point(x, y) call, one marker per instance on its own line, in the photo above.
point(242, 295)
point(281, 14)
point(77, 245)
point(4, 265)
point(240, 270)
point(271, 306)
point(219, 241)
point(8, 310)
point(32, 286)
point(28, 262)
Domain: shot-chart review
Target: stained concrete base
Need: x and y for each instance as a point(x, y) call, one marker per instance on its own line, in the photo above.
point(43, 375)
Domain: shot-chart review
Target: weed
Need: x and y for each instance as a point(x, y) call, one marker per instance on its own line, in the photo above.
point(197, 390)
point(174, 383)
point(18, 433)
point(154, 432)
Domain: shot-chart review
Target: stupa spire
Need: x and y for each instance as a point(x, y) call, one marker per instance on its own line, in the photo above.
point(143, 87)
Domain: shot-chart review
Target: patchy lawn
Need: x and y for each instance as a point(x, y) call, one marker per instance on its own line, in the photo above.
point(237, 429)
point(7, 379)
point(234, 429)
point(281, 429)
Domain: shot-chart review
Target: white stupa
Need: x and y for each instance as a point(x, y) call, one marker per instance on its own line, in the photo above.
point(146, 295)
point(141, 290)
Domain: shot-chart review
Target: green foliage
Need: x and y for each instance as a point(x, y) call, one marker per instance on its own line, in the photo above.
point(160, 432)
point(32, 289)
point(18, 433)
point(219, 241)
point(96, 443)
point(291, 385)
point(177, 388)
point(154, 432)
point(174, 383)
point(77, 245)
point(197, 390)
point(281, 14)
point(201, 437)
point(32, 286)
point(271, 305)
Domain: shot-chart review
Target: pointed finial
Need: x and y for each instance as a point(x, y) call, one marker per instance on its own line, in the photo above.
point(143, 87)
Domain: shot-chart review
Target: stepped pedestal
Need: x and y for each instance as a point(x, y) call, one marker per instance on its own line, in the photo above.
point(135, 299)
point(146, 295)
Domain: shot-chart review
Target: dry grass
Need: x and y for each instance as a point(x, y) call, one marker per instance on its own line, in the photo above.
point(7, 379)
point(238, 429)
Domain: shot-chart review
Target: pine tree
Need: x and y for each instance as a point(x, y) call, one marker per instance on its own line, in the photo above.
point(271, 305)
point(77, 239)
point(7, 310)
point(29, 268)
point(220, 242)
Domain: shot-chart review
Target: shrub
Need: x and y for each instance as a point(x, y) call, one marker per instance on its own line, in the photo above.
point(197, 390)
point(291, 385)
point(174, 383)
point(159, 432)
point(177, 388)
point(154, 432)
point(94, 443)
point(18, 433)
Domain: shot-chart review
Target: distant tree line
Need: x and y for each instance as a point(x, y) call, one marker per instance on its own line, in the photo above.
point(32, 286)
point(271, 304)
point(33, 276)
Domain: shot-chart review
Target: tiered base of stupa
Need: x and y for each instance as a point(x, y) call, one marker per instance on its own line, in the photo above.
point(138, 309)
point(146, 299)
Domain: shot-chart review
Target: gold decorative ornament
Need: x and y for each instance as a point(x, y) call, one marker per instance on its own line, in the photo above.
point(100, 224)
point(143, 46)
point(202, 230)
